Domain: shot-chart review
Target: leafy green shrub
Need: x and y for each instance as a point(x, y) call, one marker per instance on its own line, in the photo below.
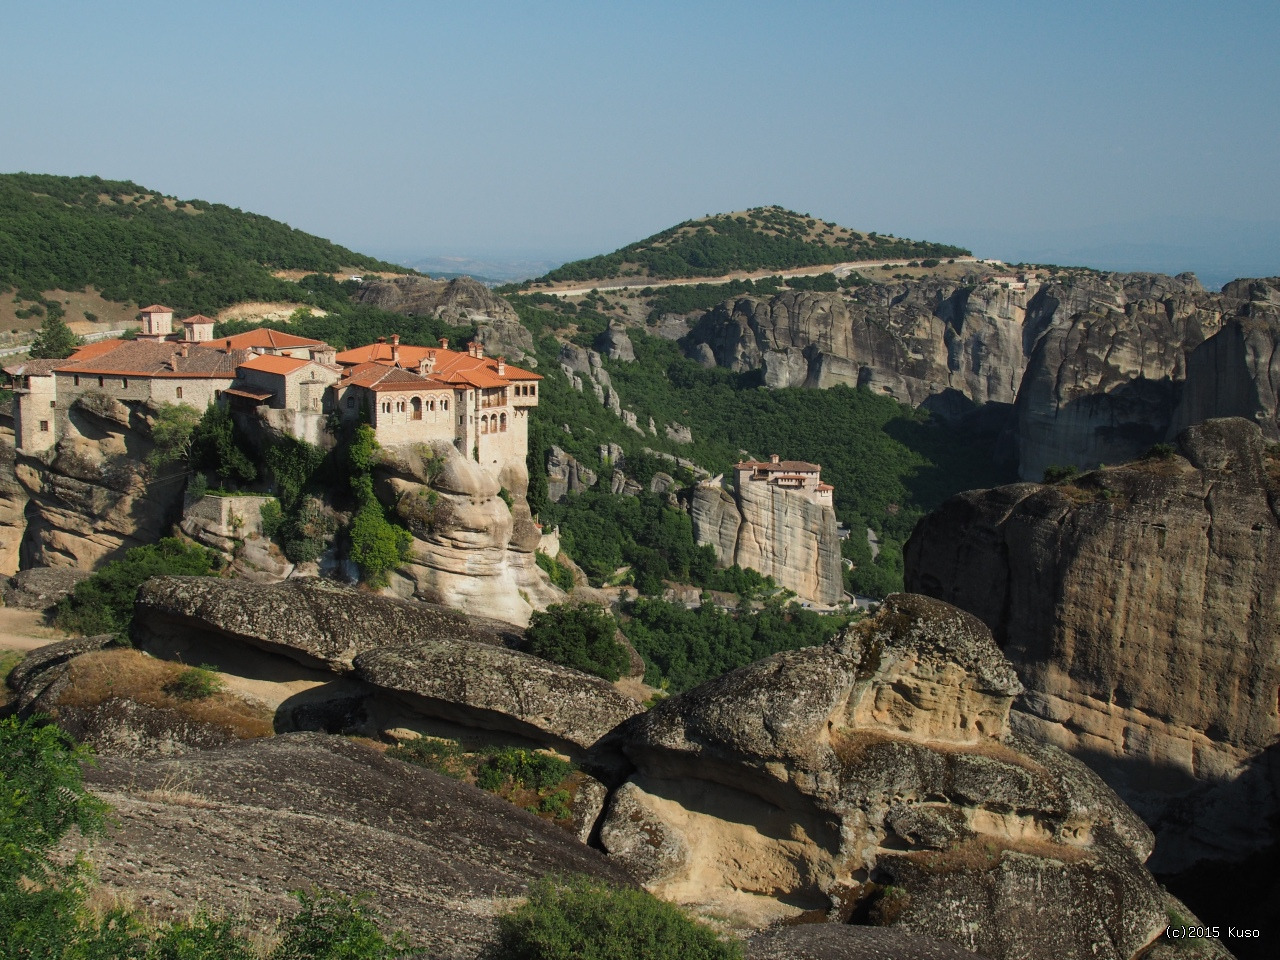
point(579, 636)
point(333, 927)
point(1161, 451)
point(272, 518)
point(525, 768)
point(582, 919)
point(196, 683)
point(203, 936)
point(1059, 474)
point(442, 756)
point(104, 602)
point(559, 573)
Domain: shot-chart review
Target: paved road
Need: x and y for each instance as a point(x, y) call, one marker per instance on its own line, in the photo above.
point(839, 269)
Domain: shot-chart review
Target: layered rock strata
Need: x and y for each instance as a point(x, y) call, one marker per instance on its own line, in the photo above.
point(780, 533)
point(1141, 608)
point(878, 775)
point(91, 496)
point(470, 549)
point(907, 340)
point(391, 663)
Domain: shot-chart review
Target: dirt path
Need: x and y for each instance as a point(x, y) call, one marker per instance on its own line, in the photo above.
point(25, 630)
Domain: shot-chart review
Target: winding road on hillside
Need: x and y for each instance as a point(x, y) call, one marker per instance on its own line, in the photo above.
point(839, 269)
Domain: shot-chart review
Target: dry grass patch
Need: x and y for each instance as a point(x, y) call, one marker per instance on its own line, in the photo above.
point(980, 854)
point(852, 746)
point(132, 675)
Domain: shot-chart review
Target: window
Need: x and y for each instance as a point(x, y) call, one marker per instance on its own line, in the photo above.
point(101, 382)
point(179, 391)
point(444, 404)
point(44, 426)
point(417, 408)
point(124, 383)
point(75, 381)
point(503, 421)
point(351, 403)
point(53, 403)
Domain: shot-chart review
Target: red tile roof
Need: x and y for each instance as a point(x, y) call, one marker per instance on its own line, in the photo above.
point(151, 358)
point(155, 308)
point(199, 318)
point(260, 337)
point(451, 366)
point(270, 363)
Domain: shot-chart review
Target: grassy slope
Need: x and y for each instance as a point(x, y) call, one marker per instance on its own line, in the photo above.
point(132, 244)
point(763, 238)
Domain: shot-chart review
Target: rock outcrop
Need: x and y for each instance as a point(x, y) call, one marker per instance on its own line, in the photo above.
point(470, 550)
point(459, 301)
point(909, 341)
point(403, 664)
point(235, 829)
point(615, 344)
point(778, 532)
point(1141, 608)
point(13, 499)
point(1108, 354)
point(877, 777)
point(92, 496)
point(566, 475)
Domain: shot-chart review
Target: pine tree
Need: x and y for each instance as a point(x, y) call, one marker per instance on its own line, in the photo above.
point(55, 341)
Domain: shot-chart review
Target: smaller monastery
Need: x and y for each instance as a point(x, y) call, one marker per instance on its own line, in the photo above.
point(796, 476)
point(408, 394)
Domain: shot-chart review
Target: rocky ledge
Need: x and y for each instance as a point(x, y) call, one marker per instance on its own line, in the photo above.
point(876, 778)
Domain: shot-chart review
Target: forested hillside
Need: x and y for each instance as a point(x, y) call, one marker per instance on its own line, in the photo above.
point(134, 244)
point(763, 238)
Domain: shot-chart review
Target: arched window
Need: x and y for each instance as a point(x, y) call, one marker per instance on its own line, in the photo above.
point(503, 422)
point(444, 404)
point(416, 404)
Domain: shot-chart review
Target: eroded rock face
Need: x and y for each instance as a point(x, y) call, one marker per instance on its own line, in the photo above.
point(819, 778)
point(235, 829)
point(503, 689)
point(13, 501)
point(316, 623)
point(777, 532)
point(91, 496)
point(1108, 354)
point(1141, 608)
point(908, 341)
point(470, 551)
point(458, 301)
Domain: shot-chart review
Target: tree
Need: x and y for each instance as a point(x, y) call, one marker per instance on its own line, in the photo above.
point(218, 446)
point(173, 434)
point(55, 341)
point(581, 636)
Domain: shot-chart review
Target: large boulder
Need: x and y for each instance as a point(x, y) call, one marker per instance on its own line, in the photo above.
point(504, 690)
point(878, 775)
point(1141, 608)
point(236, 829)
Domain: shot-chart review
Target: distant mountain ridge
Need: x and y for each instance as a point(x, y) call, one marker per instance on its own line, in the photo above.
point(762, 238)
point(136, 244)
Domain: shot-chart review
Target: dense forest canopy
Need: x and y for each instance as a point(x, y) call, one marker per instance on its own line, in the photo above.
point(134, 244)
point(763, 238)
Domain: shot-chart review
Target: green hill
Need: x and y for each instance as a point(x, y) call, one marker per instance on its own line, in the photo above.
point(134, 244)
point(763, 238)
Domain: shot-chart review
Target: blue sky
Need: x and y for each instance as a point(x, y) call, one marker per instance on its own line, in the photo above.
point(1091, 132)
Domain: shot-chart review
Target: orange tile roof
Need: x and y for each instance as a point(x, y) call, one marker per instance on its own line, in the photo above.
point(91, 350)
point(450, 366)
point(261, 337)
point(155, 308)
point(269, 363)
point(199, 318)
point(378, 376)
point(782, 466)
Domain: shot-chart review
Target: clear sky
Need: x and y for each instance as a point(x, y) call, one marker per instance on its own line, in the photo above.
point(1076, 131)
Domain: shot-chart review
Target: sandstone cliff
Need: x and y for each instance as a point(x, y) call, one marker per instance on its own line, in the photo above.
point(1141, 607)
point(458, 301)
point(877, 777)
point(470, 550)
point(907, 340)
point(13, 502)
point(91, 496)
point(777, 532)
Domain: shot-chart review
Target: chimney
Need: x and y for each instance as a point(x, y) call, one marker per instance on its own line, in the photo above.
point(479, 350)
point(182, 350)
point(228, 346)
point(773, 458)
point(395, 349)
point(502, 366)
point(444, 343)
